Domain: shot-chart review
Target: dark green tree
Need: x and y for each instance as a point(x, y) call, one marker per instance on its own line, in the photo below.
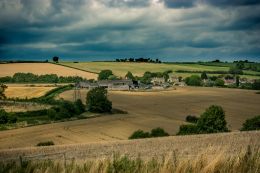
point(104, 74)
point(2, 90)
point(219, 82)
point(212, 120)
point(251, 124)
point(237, 81)
point(55, 59)
point(158, 132)
point(80, 107)
point(129, 75)
point(240, 65)
point(97, 100)
point(204, 75)
point(139, 134)
point(194, 80)
point(3, 116)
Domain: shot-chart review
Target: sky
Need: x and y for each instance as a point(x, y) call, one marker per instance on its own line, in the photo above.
point(171, 30)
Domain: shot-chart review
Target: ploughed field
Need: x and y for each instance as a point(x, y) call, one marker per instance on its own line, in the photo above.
point(146, 110)
point(42, 68)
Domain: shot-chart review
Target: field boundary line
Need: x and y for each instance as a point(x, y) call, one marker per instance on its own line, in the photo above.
point(73, 67)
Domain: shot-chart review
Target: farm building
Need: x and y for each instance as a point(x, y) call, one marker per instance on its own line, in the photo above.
point(109, 84)
point(157, 80)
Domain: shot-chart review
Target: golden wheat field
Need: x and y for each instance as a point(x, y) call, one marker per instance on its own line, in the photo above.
point(14, 91)
point(146, 110)
point(42, 68)
point(210, 145)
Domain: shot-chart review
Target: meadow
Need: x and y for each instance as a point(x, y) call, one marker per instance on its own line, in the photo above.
point(146, 110)
point(42, 68)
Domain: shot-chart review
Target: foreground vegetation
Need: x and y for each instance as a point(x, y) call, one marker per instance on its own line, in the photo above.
point(247, 161)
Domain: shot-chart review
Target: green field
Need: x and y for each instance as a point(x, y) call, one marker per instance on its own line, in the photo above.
point(138, 69)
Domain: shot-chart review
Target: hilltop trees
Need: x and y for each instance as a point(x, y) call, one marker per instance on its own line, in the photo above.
point(97, 100)
point(2, 90)
point(55, 59)
point(104, 74)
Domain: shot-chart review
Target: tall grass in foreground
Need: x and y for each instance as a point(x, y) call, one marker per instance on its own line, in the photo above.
point(246, 162)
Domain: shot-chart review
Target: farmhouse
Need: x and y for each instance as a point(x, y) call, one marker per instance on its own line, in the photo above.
point(157, 80)
point(109, 84)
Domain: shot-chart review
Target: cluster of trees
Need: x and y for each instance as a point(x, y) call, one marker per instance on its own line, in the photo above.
point(147, 76)
point(97, 100)
point(6, 118)
point(211, 121)
point(107, 75)
point(33, 78)
point(157, 132)
point(148, 60)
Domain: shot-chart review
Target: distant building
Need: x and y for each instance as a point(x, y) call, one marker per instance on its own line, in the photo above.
point(158, 80)
point(109, 84)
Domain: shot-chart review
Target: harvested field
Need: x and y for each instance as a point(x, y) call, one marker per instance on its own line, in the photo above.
point(26, 92)
point(42, 68)
point(211, 145)
point(146, 110)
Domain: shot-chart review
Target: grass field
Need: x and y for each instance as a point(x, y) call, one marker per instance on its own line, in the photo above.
point(21, 91)
point(42, 68)
point(138, 69)
point(146, 110)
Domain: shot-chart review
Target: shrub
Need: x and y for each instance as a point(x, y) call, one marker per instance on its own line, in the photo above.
point(188, 129)
point(139, 134)
point(204, 75)
point(47, 143)
point(104, 74)
point(158, 132)
point(219, 82)
point(192, 119)
point(12, 119)
point(194, 80)
point(3, 116)
point(51, 113)
point(256, 85)
point(212, 120)
point(97, 100)
point(251, 124)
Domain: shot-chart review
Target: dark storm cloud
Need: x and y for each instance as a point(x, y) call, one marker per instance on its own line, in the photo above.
point(118, 28)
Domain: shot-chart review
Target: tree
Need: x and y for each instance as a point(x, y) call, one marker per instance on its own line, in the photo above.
point(212, 120)
point(237, 81)
point(112, 77)
point(219, 82)
point(3, 116)
point(129, 75)
point(80, 107)
point(251, 124)
point(235, 70)
point(97, 100)
point(194, 80)
point(2, 90)
point(240, 65)
point(256, 84)
point(204, 75)
point(55, 59)
point(104, 74)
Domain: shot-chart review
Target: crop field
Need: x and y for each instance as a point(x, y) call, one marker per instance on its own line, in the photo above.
point(42, 68)
point(14, 91)
point(138, 69)
point(12, 106)
point(146, 110)
point(211, 145)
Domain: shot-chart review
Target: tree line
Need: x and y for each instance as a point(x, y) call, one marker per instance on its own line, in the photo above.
point(147, 60)
point(33, 78)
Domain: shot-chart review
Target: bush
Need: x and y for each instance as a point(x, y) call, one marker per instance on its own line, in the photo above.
point(219, 82)
point(252, 124)
point(158, 132)
point(51, 113)
point(212, 120)
point(194, 80)
point(104, 74)
point(192, 119)
point(97, 100)
point(80, 107)
point(139, 134)
point(256, 85)
point(188, 129)
point(47, 143)
point(3, 116)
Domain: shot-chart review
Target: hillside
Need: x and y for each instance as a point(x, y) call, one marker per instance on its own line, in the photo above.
point(212, 145)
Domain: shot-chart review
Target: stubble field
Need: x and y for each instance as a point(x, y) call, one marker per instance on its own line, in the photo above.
point(42, 68)
point(146, 110)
